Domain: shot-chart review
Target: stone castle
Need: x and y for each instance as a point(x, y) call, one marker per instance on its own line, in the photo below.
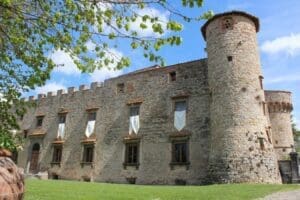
point(204, 121)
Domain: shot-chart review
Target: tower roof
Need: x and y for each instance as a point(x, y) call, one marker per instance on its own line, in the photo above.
point(234, 12)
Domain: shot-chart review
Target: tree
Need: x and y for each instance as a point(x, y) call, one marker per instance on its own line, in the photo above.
point(31, 29)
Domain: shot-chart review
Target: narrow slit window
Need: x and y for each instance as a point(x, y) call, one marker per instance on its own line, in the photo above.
point(229, 58)
point(261, 143)
point(261, 78)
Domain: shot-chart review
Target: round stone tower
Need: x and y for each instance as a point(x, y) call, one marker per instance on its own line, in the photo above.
point(280, 107)
point(241, 150)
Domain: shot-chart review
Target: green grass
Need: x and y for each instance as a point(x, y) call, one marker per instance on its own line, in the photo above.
point(56, 190)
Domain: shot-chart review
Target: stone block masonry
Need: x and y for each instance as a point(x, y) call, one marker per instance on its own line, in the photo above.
point(228, 133)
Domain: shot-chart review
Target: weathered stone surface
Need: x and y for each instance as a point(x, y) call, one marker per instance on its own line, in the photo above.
point(225, 125)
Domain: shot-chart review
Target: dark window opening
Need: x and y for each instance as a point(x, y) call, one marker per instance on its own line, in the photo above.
point(25, 133)
point(172, 76)
point(39, 121)
point(14, 156)
point(91, 116)
point(57, 154)
point(228, 23)
point(55, 177)
point(261, 82)
point(62, 119)
point(180, 152)
point(121, 88)
point(21, 117)
point(261, 143)
point(229, 58)
point(264, 107)
point(88, 154)
point(131, 152)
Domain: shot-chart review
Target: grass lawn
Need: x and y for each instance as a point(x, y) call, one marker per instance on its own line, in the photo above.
point(64, 190)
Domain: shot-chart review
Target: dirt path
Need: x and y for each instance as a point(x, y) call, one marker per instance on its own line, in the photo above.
point(290, 195)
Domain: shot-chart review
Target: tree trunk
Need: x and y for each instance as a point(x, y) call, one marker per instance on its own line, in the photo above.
point(11, 179)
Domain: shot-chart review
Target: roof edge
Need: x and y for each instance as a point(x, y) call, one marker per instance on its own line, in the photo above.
point(234, 12)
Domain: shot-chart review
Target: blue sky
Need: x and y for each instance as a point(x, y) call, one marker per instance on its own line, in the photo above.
point(279, 42)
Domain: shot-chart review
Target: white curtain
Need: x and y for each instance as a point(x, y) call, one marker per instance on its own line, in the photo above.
point(134, 120)
point(180, 115)
point(90, 128)
point(61, 130)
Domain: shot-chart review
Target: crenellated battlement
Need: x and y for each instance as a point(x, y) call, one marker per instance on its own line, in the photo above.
point(70, 90)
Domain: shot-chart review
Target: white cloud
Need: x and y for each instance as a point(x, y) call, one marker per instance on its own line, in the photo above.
point(286, 44)
point(152, 12)
point(64, 63)
point(50, 87)
point(108, 72)
point(283, 79)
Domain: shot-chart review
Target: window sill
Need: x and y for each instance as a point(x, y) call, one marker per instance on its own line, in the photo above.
point(87, 164)
point(186, 164)
point(136, 165)
point(55, 163)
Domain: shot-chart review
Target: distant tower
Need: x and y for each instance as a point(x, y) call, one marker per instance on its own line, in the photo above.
point(240, 148)
point(280, 107)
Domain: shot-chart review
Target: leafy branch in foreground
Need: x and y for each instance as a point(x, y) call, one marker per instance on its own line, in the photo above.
point(31, 30)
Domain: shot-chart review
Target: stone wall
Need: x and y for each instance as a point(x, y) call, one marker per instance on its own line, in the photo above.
point(155, 91)
point(280, 107)
point(240, 148)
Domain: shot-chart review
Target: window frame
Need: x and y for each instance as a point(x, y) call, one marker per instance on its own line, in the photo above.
point(132, 143)
point(180, 140)
point(88, 159)
point(57, 155)
point(39, 121)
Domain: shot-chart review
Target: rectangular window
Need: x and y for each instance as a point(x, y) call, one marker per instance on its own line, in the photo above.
point(25, 133)
point(172, 76)
point(134, 119)
point(120, 88)
point(62, 119)
point(131, 157)
point(180, 152)
point(57, 153)
point(180, 114)
point(39, 121)
point(261, 143)
point(88, 153)
point(90, 124)
point(61, 126)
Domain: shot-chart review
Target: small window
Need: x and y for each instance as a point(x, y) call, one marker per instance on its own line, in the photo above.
point(261, 143)
point(91, 116)
point(131, 153)
point(180, 152)
point(172, 76)
point(229, 58)
point(227, 23)
point(268, 135)
point(39, 121)
point(62, 119)
point(261, 78)
point(25, 133)
point(121, 88)
point(88, 153)
point(57, 154)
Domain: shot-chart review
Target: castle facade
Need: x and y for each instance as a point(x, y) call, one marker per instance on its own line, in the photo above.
point(204, 121)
